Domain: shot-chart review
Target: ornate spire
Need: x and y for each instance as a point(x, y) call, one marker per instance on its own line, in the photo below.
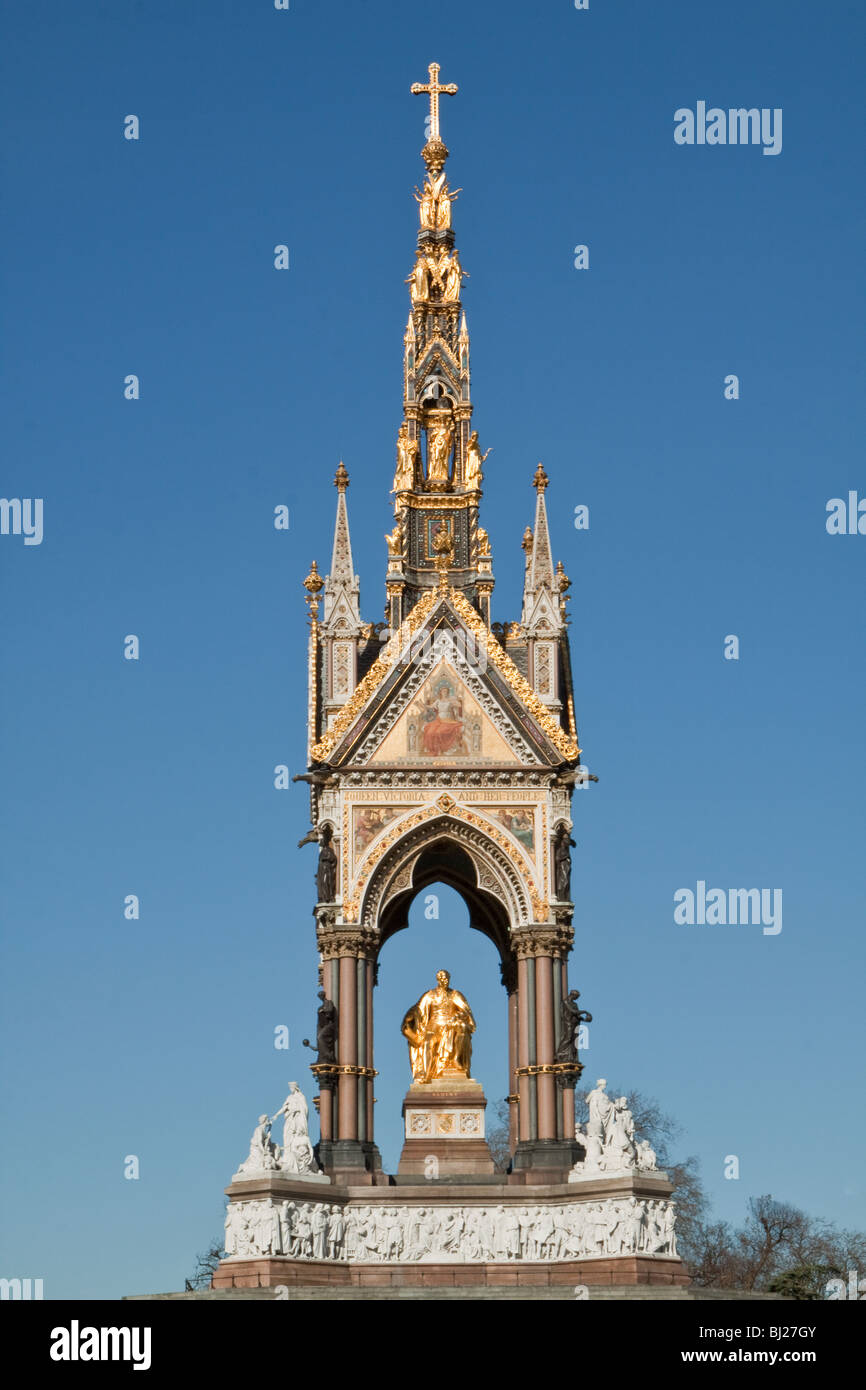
point(341, 556)
point(342, 587)
point(541, 570)
point(439, 458)
point(543, 592)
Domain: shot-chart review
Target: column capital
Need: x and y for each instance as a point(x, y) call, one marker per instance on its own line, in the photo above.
point(337, 941)
point(553, 939)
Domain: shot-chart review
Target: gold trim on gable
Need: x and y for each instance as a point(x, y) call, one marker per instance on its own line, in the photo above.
point(519, 684)
point(383, 664)
point(374, 677)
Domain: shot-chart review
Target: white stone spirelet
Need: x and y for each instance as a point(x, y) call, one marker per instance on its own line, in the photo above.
point(609, 1140)
point(451, 1235)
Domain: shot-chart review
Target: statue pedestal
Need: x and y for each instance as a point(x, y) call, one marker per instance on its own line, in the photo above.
point(260, 1173)
point(444, 1132)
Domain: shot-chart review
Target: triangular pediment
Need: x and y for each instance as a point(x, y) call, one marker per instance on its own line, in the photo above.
point(482, 711)
point(542, 618)
point(445, 725)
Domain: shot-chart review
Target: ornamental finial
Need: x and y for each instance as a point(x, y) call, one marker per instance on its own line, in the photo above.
point(540, 480)
point(341, 478)
point(435, 151)
point(314, 583)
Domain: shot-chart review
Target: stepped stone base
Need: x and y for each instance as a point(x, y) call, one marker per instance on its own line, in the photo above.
point(600, 1293)
point(270, 1271)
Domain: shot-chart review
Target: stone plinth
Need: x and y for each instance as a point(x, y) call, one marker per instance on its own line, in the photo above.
point(444, 1132)
point(258, 1174)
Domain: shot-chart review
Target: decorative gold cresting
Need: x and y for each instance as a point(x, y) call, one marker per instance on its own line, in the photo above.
point(494, 653)
point(519, 684)
point(377, 672)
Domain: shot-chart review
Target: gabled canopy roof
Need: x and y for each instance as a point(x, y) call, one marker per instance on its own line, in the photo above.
point(532, 733)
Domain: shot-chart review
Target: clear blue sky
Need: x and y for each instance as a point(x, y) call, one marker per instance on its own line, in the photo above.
point(707, 517)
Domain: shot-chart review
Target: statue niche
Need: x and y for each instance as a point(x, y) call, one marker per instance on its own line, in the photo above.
point(439, 427)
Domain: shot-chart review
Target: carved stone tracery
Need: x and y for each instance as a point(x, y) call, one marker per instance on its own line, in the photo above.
point(495, 870)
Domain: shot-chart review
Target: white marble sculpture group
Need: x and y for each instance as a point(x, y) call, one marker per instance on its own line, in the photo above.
point(609, 1142)
point(574, 1230)
point(295, 1155)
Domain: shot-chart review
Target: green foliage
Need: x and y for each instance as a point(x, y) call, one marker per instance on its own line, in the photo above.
point(805, 1282)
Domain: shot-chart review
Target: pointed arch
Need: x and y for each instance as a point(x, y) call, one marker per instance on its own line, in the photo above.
point(460, 855)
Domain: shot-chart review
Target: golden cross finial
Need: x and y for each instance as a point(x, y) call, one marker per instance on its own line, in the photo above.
point(434, 89)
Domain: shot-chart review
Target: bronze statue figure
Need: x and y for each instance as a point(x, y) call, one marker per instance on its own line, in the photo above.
point(570, 1019)
point(326, 873)
point(562, 847)
point(326, 1031)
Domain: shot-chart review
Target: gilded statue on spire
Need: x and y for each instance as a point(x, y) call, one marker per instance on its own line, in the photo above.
point(407, 460)
point(436, 275)
point(451, 277)
point(424, 272)
point(394, 541)
point(474, 460)
point(440, 443)
point(435, 203)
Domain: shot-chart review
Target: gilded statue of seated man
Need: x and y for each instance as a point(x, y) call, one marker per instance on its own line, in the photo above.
point(439, 1029)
